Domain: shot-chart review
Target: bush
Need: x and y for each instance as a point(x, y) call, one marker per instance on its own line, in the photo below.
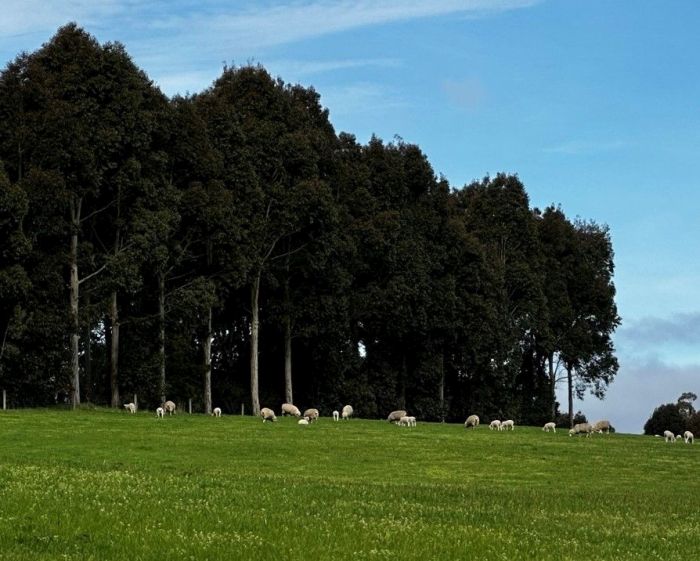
point(666, 417)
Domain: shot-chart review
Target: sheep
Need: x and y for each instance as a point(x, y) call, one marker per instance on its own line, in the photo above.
point(311, 414)
point(131, 407)
point(549, 426)
point(669, 436)
point(347, 412)
point(395, 416)
point(509, 424)
point(267, 415)
point(495, 424)
point(336, 415)
point(289, 409)
point(169, 407)
point(304, 421)
point(688, 437)
point(160, 412)
point(404, 422)
point(216, 412)
point(411, 421)
point(472, 421)
point(600, 426)
point(679, 437)
point(581, 427)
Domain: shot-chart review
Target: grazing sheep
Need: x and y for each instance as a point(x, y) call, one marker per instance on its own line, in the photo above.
point(688, 437)
point(169, 407)
point(549, 426)
point(602, 426)
point(160, 412)
point(395, 416)
point(216, 412)
point(495, 424)
point(509, 424)
point(411, 421)
point(267, 414)
point(679, 437)
point(304, 421)
point(347, 412)
point(403, 421)
point(669, 436)
point(472, 421)
point(131, 407)
point(289, 409)
point(581, 428)
point(311, 414)
point(336, 415)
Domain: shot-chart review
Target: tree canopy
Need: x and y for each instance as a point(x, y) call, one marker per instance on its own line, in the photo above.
point(221, 246)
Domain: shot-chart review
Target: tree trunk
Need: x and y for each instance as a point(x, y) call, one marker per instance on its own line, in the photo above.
point(254, 331)
point(288, 360)
point(74, 310)
point(553, 383)
point(161, 337)
point(441, 384)
point(402, 382)
point(570, 382)
point(88, 354)
point(207, 365)
point(114, 350)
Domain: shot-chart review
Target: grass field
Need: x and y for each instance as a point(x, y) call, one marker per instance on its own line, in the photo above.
point(106, 485)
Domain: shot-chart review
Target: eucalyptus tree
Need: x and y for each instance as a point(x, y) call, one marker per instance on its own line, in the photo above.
point(79, 114)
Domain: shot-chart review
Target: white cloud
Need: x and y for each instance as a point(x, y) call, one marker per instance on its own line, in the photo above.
point(680, 329)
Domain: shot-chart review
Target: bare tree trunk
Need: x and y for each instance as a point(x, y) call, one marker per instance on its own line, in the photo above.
point(570, 382)
point(553, 383)
point(254, 332)
point(161, 335)
point(88, 354)
point(74, 310)
point(288, 360)
point(441, 384)
point(114, 350)
point(207, 365)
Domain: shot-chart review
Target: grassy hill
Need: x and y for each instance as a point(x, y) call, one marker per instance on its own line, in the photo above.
point(106, 485)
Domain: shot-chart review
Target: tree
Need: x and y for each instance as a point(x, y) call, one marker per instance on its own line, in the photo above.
point(685, 404)
point(666, 417)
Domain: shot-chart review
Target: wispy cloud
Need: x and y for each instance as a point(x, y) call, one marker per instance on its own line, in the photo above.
point(679, 328)
point(466, 94)
point(304, 68)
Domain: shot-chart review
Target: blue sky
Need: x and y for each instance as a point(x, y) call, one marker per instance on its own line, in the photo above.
point(595, 105)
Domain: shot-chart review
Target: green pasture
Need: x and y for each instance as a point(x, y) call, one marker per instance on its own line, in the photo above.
point(107, 485)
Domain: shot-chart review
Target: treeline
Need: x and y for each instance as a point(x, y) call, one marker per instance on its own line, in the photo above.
point(230, 246)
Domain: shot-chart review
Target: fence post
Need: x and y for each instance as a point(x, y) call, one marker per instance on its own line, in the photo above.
point(4, 400)
point(242, 409)
point(136, 402)
point(190, 406)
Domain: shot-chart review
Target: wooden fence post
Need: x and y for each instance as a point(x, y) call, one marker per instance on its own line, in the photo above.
point(190, 406)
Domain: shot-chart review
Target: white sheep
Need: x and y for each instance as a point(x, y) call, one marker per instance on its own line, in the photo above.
point(216, 412)
point(495, 424)
point(311, 415)
point(169, 407)
point(509, 424)
point(669, 436)
point(602, 426)
point(289, 409)
point(304, 421)
point(549, 426)
point(679, 437)
point(347, 412)
point(131, 407)
point(688, 437)
point(267, 414)
point(404, 422)
point(581, 427)
point(336, 415)
point(160, 412)
point(395, 416)
point(472, 421)
point(411, 421)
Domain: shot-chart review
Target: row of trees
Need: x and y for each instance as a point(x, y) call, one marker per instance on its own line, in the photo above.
point(231, 246)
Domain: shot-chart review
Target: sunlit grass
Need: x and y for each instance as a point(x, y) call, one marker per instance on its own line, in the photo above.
point(108, 485)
